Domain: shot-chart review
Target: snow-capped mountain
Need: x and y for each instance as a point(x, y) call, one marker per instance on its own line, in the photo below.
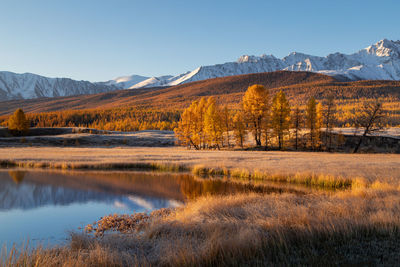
point(28, 85)
point(127, 81)
point(380, 61)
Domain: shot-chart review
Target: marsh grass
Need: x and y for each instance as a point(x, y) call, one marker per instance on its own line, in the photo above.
point(307, 179)
point(156, 166)
point(245, 229)
point(323, 181)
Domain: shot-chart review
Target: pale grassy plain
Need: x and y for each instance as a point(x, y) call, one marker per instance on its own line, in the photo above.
point(358, 225)
point(372, 167)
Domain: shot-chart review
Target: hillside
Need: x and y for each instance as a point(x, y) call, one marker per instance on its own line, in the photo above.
point(176, 96)
point(299, 86)
point(159, 108)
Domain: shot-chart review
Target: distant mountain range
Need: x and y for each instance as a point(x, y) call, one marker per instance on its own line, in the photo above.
point(380, 61)
point(28, 85)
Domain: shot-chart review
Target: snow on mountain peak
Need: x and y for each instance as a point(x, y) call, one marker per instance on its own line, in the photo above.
point(127, 81)
point(384, 48)
point(28, 85)
point(378, 61)
point(247, 58)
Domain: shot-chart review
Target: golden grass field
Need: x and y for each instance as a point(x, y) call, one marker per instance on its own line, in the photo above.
point(355, 225)
point(346, 228)
point(373, 167)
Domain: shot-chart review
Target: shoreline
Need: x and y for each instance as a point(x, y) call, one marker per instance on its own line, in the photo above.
point(322, 169)
point(343, 226)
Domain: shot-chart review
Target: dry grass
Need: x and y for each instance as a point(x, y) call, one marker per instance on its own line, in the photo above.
point(358, 225)
point(372, 167)
point(101, 166)
point(287, 229)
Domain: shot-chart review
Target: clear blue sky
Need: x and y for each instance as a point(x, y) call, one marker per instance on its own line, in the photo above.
point(100, 40)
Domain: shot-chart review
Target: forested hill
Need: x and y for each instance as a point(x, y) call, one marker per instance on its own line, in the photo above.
point(159, 108)
point(297, 85)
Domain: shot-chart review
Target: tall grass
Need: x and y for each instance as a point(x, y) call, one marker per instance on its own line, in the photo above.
point(251, 229)
point(308, 179)
point(156, 166)
point(323, 181)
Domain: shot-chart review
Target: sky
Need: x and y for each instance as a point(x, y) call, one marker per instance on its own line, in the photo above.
point(101, 40)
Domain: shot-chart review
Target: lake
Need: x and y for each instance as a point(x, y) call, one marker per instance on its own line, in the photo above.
point(43, 206)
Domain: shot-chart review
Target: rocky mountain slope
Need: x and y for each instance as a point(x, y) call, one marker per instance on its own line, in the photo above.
point(380, 61)
point(28, 85)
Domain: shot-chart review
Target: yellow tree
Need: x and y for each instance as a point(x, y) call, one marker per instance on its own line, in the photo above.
point(212, 123)
point(312, 121)
point(17, 123)
point(297, 121)
point(199, 111)
point(329, 121)
point(190, 126)
point(319, 124)
point(184, 129)
point(239, 129)
point(226, 122)
point(280, 120)
point(255, 108)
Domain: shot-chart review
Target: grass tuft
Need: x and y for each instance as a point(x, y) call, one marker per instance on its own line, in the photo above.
point(244, 229)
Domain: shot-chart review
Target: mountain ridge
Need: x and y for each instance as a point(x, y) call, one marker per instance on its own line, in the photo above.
point(298, 86)
point(29, 85)
point(379, 61)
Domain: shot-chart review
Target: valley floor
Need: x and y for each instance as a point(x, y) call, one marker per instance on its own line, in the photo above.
point(357, 225)
point(381, 167)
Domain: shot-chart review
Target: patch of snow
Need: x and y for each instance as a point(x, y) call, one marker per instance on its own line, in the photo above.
point(380, 61)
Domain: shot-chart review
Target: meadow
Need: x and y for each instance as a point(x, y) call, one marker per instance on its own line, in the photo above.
point(351, 227)
point(371, 167)
point(356, 223)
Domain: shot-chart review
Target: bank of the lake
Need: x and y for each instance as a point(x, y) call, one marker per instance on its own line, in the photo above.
point(384, 168)
point(355, 224)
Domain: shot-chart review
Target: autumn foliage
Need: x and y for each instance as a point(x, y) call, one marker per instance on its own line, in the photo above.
point(205, 124)
point(17, 123)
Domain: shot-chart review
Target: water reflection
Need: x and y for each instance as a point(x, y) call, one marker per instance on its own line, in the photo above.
point(57, 189)
point(44, 204)
point(17, 176)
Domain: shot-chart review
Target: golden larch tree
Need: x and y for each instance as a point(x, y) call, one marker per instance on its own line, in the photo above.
point(280, 117)
point(17, 123)
point(213, 124)
point(319, 124)
point(297, 122)
point(239, 129)
point(256, 107)
point(226, 122)
point(311, 120)
point(329, 121)
point(190, 126)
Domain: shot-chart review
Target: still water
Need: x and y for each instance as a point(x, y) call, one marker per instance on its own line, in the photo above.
point(42, 206)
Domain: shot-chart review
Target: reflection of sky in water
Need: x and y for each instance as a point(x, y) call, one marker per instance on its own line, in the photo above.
point(45, 213)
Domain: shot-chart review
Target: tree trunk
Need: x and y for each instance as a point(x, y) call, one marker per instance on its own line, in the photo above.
point(358, 144)
point(195, 146)
point(280, 141)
